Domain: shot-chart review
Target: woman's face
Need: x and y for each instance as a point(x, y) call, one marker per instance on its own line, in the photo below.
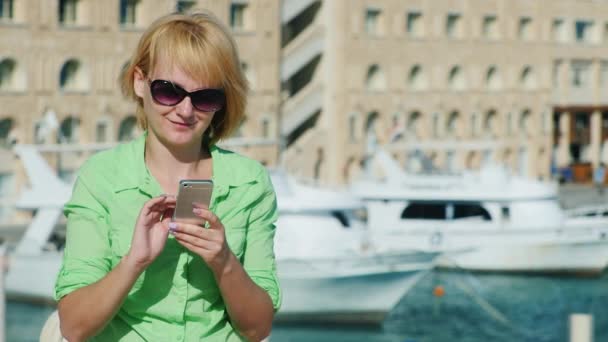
point(178, 125)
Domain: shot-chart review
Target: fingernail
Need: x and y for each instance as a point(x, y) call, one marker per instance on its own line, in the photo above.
point(172, 226)
point(197, 211)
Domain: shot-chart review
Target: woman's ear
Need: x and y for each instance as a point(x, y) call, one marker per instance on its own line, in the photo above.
point(139, 82)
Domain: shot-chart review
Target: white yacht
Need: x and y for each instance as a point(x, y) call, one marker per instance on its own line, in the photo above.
point(485, 221)
point(326, 267)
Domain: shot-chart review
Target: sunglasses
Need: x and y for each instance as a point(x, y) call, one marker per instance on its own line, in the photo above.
point(169, 94)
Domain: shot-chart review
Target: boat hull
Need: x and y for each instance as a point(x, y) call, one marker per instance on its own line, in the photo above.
point(352, 294)
point(32, 278)
point(584, 258)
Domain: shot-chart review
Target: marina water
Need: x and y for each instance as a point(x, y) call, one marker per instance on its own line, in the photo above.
point(475, 307)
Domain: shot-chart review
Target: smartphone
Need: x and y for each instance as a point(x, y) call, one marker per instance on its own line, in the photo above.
point(190, 191)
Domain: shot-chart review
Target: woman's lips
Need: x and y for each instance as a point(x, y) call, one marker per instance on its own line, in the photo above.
point(181, 124)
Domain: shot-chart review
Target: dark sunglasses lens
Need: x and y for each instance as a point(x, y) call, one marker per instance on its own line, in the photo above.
point(165, 93)
point(208, 100)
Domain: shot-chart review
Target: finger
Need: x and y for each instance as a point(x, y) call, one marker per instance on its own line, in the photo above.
point(195, 249)
point(149, 205)
point(197, 242)
point(214, 221)
point(193, 230)
point(163, 205)
point(200, 205)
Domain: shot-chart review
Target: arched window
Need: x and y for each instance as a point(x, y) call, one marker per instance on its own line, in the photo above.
point(6, 126)
point(493, 79)
point(527, 78)
point(456, 79)
point(489, 123)
point(452, 125)
point(127, 129)
point(371, 130)
point(412, 130)
point(69, 130)
point(524, 123)
point(375, 79)
point(7, 74)
point(73, 76)
point(417, 79)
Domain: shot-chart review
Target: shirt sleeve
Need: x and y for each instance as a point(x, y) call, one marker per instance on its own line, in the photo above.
point(86, 257)
point(259, 260)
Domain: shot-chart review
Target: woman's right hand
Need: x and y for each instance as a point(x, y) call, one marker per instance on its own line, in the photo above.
point(150, 233)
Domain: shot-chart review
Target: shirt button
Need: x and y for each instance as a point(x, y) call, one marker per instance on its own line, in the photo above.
point(179, 337)
point(180, 300)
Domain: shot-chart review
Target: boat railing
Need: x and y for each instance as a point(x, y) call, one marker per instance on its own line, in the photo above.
point(588, 211)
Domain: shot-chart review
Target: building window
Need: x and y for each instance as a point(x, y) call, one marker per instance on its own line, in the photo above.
point(68, 12)
point(417, 79)
point(583, 31)
point(375, 80)
point(581, 72)
point(489, 28)
point(6, 10)
point(128, 129)
point(265, 128)
point(524, 31)
point(6, 126)
point(453, 25)
point(239, 18)
point(489, 124)
point(184, 6)
point(524, 123)
point(72, 76)
point(69, 131)
point(414, 26)
point(7, 74)
point(128, 12)
point(372, 21)
point(456, 80)
point(527, 78)
point(493, 80)
point(452, 125)
point(412, 130)
point(558, 30)
point(101, 132)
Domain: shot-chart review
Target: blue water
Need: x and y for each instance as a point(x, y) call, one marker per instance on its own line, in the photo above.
point(474, 308)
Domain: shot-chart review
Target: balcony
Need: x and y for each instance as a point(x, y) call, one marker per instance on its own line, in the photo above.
point(301, 107)
point(291, 8)
point(301, 50)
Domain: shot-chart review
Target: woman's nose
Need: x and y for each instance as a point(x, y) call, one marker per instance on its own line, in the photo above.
point(185, 107)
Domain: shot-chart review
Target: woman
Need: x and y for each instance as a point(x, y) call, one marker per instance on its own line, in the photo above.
point(129, 273)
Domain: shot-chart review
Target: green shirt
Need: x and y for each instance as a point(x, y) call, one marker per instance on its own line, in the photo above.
point(176, 298)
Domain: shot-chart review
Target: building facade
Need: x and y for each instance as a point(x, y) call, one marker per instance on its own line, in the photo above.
point(453, 83)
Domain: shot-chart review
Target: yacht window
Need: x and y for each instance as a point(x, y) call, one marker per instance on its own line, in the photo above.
point(469, 210)
point(424, 211)
point(340, 216)
point(506, 213)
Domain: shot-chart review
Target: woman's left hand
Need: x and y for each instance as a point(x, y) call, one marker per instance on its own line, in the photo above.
point(209, 243)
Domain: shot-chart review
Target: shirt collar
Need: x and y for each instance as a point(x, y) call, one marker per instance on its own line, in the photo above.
point(137, 176)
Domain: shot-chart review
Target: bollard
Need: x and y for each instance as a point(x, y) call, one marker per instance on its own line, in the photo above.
point(581, 328)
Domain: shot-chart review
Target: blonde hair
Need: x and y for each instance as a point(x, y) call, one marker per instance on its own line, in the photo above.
point(201, 46)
